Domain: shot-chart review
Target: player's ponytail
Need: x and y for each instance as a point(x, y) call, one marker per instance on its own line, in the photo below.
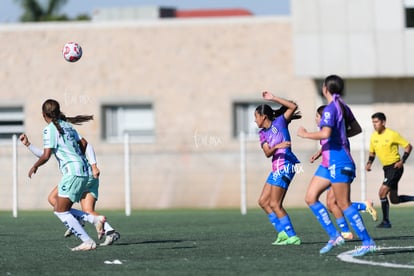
point(51, 109)
point(271, 114)
point(79, 119)
point(296, 115)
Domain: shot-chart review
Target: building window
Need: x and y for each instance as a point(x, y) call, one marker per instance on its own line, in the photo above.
point(11, 122)
point(409, 13)
point(409, 17)
point(243, 119)
point(137, 120)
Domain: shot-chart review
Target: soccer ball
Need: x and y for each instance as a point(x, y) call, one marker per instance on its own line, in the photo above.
point(72, 51)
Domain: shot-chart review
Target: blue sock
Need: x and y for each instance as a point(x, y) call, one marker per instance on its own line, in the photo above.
point(287, 226)
point(360, 206)
point(357, 224)
point(275, 222)
point(343, 225)
point(322, 215)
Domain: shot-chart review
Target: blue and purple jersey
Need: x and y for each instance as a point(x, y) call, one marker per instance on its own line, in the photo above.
point(277, 133)
point(336, 149)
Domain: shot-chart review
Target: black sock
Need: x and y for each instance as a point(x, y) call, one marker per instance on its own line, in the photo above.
point(385, 206)
point(405, 198)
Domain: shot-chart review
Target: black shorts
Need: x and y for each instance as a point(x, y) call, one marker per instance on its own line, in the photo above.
point(392, 176)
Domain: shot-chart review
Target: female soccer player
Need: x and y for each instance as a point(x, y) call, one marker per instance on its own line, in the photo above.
point(62, 140)
point(337, 168)
point(89, 197)
point(275, 142)
point(331, 203)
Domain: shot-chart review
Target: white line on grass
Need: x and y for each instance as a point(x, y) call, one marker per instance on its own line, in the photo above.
point(347, 257)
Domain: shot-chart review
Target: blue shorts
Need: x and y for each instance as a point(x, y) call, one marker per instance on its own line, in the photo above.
point(280, 179)
point(93, 186)
point(72, 187)
point(337, 174)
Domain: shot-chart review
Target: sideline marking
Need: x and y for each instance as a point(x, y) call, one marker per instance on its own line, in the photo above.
point(347, 257)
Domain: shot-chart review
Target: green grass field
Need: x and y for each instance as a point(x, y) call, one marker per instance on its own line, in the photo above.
point(197, 242)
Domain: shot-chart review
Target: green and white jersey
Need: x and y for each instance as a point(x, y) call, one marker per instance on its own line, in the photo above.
point(66, 149)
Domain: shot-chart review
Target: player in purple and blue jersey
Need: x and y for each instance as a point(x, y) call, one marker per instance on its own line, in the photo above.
point(331, 203)
point(337, 167)
point(275, 141)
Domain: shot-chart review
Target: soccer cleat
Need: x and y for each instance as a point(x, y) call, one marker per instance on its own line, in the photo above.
point(85, 246)
point(371, 210)
point(110, 238)
point(99, 222)
point(294, 240)
point(365, 249)
point(384, 224)
point(331, 244)
point(68, 233)
point(280, 237)
point(347, 235)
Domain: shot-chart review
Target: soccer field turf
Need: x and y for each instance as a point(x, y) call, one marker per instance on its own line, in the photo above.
point(198, 242)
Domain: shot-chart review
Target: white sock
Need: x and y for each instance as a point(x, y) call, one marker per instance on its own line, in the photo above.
point(73, 225)
point(108, 227)
point(80, 215)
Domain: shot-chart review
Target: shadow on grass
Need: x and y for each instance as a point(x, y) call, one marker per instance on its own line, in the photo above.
point(157, 242)
point(393, 238)
point(356, 240)
point(386, 252)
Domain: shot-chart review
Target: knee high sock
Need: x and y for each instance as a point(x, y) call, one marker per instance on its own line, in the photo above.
point(343, 225)
point(385, 206)
point(287, 226)
point(275, 222)
point(357, 224)
point(405, 198)
point(321, 213)
point(73, 225)
point(360, 206)
point(81, 215)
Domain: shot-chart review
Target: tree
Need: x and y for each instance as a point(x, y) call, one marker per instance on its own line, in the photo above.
point(34, 11)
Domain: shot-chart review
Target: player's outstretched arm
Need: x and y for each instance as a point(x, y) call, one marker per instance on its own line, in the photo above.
point(291, 106)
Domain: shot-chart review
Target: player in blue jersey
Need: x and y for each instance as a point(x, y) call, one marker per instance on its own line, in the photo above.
point(331, 203)
point(89, 197)
point(337, 168)
point(275, 142)
point(63, 141)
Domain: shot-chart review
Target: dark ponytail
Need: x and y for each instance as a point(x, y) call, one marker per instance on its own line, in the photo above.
point(272, 114)
point(51, 109)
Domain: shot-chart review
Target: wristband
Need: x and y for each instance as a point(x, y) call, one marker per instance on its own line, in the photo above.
point(405, 156)
point(371, 159)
